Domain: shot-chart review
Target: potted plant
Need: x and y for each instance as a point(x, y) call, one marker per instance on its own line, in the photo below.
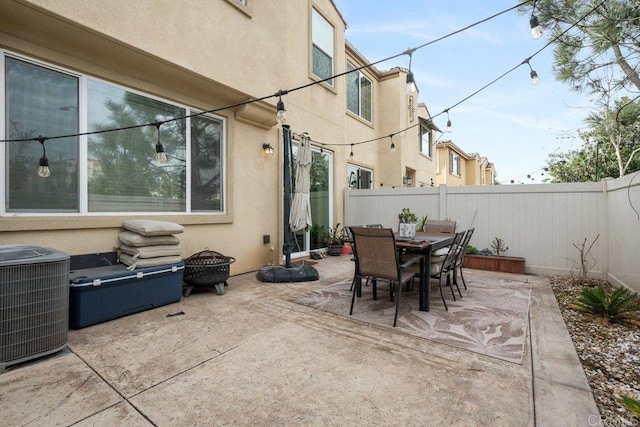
point(333, 237)
point(407, 225)
point(493, 259)
point(421, 225)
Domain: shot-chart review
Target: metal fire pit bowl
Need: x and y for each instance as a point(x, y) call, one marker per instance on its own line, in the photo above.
point(206, 269)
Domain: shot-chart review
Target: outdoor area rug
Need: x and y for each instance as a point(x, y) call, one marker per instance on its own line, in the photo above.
point(490, 319)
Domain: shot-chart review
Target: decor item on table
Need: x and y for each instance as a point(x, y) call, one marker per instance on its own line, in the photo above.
point(494, 260)
point(407, 225)
point(333, 237)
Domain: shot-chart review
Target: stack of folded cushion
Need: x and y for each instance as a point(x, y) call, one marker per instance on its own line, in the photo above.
point(149, 243)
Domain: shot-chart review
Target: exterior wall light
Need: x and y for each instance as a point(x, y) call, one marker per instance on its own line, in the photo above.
point(267, 148)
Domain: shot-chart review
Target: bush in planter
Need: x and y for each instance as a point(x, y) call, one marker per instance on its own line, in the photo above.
point(499, 246)
point(494, 260)
point(471, 250)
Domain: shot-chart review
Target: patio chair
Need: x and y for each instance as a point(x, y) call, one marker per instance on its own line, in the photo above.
point(442, 267)
point(434, 226)
point(377, 259)
point(457, 267)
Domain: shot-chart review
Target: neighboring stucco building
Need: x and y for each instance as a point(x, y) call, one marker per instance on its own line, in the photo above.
point(456, 167)
point(193, 74)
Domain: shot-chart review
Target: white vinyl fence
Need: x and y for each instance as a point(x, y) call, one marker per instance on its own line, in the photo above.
point(541, 222)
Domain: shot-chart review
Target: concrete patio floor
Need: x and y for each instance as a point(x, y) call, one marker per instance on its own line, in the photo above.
point(252, 357)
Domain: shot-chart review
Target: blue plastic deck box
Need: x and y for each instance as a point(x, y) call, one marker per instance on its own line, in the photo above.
point(105, 293)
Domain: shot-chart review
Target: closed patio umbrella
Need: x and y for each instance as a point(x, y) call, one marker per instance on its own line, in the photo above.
point(300, 216)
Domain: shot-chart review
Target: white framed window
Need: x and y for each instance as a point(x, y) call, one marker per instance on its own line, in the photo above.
point(106, 170)
point(322, 46)
point(359, 177)
point(454, 163)
point(359, 93)
point(426, 140)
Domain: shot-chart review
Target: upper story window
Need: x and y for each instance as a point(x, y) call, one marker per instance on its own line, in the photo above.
point(359, 93)
point(425, 140)
point(106, 171)
point(454, 163)
point(322, 36)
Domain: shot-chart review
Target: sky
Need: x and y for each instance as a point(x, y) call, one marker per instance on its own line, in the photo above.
point(514, 123)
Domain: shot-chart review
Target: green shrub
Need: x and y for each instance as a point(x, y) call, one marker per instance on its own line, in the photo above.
point(422, 223)
point(596, 301)
point(631, 404)
point(471, 250)
point(499, 246)
point(407, 216)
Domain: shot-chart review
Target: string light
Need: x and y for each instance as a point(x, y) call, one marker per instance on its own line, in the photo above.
point(281, 112)
point(161, 156)
point(351, 153)
point(280, 109)
point(411, 83)
point(393, 146)
point(534, 76)
point(43, 167)
point(536, 29)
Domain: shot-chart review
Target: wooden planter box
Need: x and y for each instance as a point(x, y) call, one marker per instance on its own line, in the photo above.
point(505, 264)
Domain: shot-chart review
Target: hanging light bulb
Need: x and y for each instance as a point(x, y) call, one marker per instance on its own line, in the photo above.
point(536, 29)
point(411, 83)
point(161, 156)
point(351, 154)
point(393, 146)
point(448, 130)
point(281, 112)
point(43, 165)
point(534, 76)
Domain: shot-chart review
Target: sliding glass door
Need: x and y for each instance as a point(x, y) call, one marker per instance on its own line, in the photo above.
point(321, 198)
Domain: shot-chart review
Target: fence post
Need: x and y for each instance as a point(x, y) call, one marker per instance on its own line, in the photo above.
point(442, 201)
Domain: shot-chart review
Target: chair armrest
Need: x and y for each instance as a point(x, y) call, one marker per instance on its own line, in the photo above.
point(410, 262)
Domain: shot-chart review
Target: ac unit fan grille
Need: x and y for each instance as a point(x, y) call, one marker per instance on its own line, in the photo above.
point(34, 309)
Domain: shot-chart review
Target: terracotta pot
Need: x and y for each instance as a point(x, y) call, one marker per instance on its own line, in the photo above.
point(505, 264)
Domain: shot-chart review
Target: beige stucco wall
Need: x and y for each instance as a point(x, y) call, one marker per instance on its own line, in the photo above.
point(207, 55)
point(183, 55)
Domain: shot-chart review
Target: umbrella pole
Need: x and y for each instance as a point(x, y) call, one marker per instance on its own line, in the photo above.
point(287, 247)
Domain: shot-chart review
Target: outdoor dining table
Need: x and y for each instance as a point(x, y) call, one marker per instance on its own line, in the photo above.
point(424, 244)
